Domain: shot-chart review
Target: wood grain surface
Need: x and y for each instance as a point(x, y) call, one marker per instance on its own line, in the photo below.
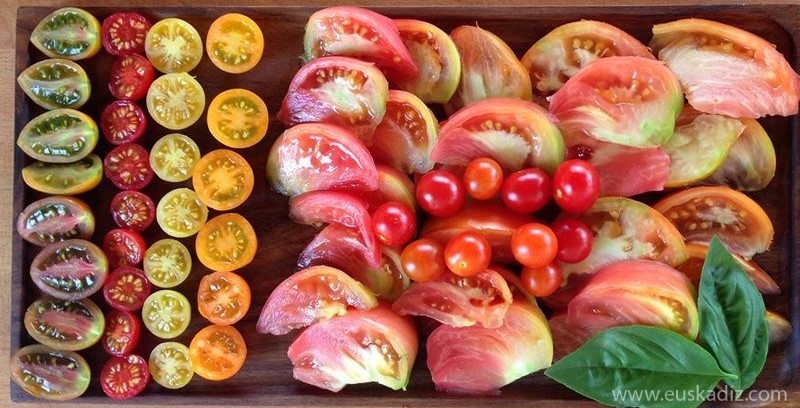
point(287, 388)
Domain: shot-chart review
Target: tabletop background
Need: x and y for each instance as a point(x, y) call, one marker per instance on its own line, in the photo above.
point(8, 13)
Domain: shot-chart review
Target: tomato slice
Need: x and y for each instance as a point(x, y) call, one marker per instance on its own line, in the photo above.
point(128, 167)
point(126, 289)
point(174, 157)
point(238, 118)
point(59, 136)
point(124, 377)
point(359, 33)
point(54, 219)
point(561, 53)
point(361, 346)
point(406, 135)
point(234, 43)
point(180, 213)
point(122, 332)
point(124, 247)
point(132, 209)
point(458, 301)
point(217, 352)
point(338, 246)
point(166, 313)
point(700, 213)
point(223, 179)
point(130, 77)
point(750, 163)
point(70, 270)
point(68, 32)
point(313, 294)
point(388, 280)
point(223, 297)
point(167, 263)
point(170, 365)
point(393, 185)
point(173, 45)
point(124, 33)
point(56, 83)
point(64, 178)
point(50, 374)
point(64, 324)
point(338, 90)
point(318, 156)
point(726, 70)
point(693, 268)
point(226, 242)
point(122, 122)
point(176, 101)
point(436, 57)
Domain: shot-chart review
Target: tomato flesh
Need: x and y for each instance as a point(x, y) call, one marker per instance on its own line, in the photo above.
point(223, 297)
point(132, 209)
point(406, 135)
point(126, 289)
point(217, 352)
point(123, 122)
point(128, 167)
point(124, 247)
point(436, 57)
point(130, 77)
point(122, 332)
point(124, 377)
point(124, 33)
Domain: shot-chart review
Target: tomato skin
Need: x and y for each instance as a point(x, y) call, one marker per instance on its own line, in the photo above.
point(483, 178)
point(130, 77)
point(124, 33)
point(468, 254)
point(576, 186)
point(133, 209)
point(126, 289)
point(124, 377)
point(122, 332)
point(541, 282)
point(423, 260)
point(440, 193)
point(123, 122)
point(124, 247)
point(526, 190)
point(575, 239)
point(128, 167)
point(534, 245)
point(394, 223)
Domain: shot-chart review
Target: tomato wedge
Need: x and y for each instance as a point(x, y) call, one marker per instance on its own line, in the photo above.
point(406, 135)
point(436, 57)
point(693, 268)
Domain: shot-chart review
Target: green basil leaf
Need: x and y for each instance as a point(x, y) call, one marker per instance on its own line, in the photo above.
point(639, 366)
point(733, 324)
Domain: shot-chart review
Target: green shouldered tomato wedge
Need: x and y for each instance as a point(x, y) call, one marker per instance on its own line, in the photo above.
point(64, 324)
point(406, 135)
point(173, 45)
point(70, 270)
point(54, 219)
point(176, 101)
point(64, 178)
point(68, 32)
point(59, 136)
point(234, 43)
point(50, 374)
point(750, 164)
point(238, 118)
point(436, 57)
point(56, 83)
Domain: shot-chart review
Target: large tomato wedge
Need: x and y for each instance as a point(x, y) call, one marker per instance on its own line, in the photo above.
point(339, 90)
point(406, 135)
point(393, 185)
point(54, 219)
point(515, 133)
point(313, 294)
point(750, 164)
point(561, 53)
point(361, 346)
point(341, 247)
point(727, 71)
point(436, 57)
point(359, 33)
point(489, 69)
point(693, 268)
point(318, 156)
point(50, 374)
point(477, 360)
point(70, 270)
point(458, 301)
point(632, 101)
point(699, 213)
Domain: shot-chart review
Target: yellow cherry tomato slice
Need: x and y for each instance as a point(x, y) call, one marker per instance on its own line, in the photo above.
point(167, 263)
point(180, 213)
point(238, 118)
point(166, 313)
point(173, 157)
point(176, 101)
point(173, 45)
point(226, 242)
point(234, 43)
point(223, 179)
point(170, 365)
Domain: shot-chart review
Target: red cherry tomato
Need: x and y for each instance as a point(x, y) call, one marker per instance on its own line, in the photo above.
point(541, 282)
point(483, 178)
point(128, 167)
point(127, 288)
point(534, 245)
point(468, 254)
point(575, 239)
point(124, 33)
point(423, 260)
point(394, 223)
point(130, 77)
point(121, 334)
point(526, 191)
point(124, 377)
point(576, 186)
point(132, 209)
point(122, 122)
point(123, 247)
point(440, 193)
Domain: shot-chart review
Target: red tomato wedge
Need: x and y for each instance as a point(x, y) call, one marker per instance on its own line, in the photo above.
point(436, 57)
point(338, 246)
point(693, 268)
point(406, 135)
point(567, 337)
point(514, 133)
point(726, 70)
point(632, 101)
point(393, 185)
point(460, 302)
point(311, 295)
point(318, 156)
point(477, 360)
point(359, 347)
point(561, 53)
point(359, 33)
point(339, 90)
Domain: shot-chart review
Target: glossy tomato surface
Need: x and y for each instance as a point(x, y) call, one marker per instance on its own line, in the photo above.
point(130, 77)
point(70, 270)
point(64, 324)
point(55, 219)
point(123, 122)
point(124, 33)
point(124, 247)
point(124, 377)
point(133, 209)
point(436, 57)
point(406, 135)
point(50, 374)
point(121, 334)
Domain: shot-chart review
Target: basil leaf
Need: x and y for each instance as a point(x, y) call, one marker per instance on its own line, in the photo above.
point(639, 366)
point(733, 324)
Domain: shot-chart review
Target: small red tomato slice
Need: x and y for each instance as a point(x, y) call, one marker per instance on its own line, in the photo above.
point(406, 135)
point(128, 167)
point(313, 294)
point(124, 33)
point(127, 288)
point(124, 247)
point(133, 209)
point(124, 377)
point(130, 77)
point(121, 334)
point(122, 122)
point(481, 299)
point(317, 156)
point(359, 33)
point(436, 57)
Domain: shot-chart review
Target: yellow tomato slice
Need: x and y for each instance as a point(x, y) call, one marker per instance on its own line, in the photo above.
point(167, 263)
point(173, 45)
point(176, 101)
point(223, 179)
point(166, 313)
point(238, 118)
point(180, 213)
point(173, 157)
point(234, 43)
point(170, 365)
point(226, 242)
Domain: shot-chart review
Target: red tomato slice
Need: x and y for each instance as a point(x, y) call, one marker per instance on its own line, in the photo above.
point(130, 77)
point(460, 302)
point(126, 289)
point(122, 122)
point(726, 70)
point(337, 246)
point(124, 33)
point(124, 247)
point(128, 167)
point(477, 360)
point(121, 334)
point(318, 156)
point(361, 346)
point(406, 135)
point(124, 377)
point(311, 295)
point(132, 209)
point(359, 33)
point(338, 90)
point(514, 133)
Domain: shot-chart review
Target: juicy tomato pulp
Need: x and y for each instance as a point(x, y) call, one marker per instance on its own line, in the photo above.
point(124, 377)
point(133, 209)
point(223, 179)
point(126, 289)
point(128, 167)
point(173, 45)
point(122, 122)
point(223, 297)
point(234, 43)
point(217, 352)
point(121, 334)
point(130, 77)
point(226, 242)
point(124, 33)
point(238, 118)
point(124, 247)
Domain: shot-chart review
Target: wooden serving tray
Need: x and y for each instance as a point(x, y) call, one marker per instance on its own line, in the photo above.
point(266, 378)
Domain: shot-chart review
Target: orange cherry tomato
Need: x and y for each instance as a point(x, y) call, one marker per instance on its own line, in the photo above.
point(217, 352)
point(223, 298)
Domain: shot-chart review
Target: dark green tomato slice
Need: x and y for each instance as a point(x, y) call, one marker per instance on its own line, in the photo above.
point(70, 270)
point(59, 136)
point(56, 83)
point(65, 324)
point(64, 178)
point(70, 33)
point(55, 219)
point(50, 374)
point(750, 164)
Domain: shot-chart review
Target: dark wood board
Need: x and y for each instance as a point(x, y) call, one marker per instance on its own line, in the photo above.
point(266, 377)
